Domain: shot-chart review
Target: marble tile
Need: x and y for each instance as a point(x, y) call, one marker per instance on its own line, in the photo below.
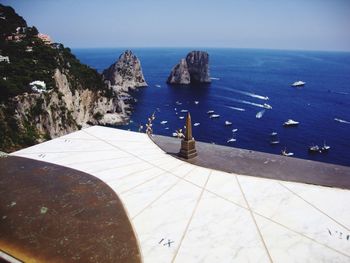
point(198, 176)
point(137, 198)
point(226, 186)
point(102, 165)
point(109, 175)
point(122, 184)
point(331, 201)
point(166, 220)
point(287, 246)
point(268, 198)
point(215, 234)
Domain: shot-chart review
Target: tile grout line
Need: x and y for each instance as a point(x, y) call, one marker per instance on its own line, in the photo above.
point(150, 179)
point(252, 216)
point(191, 217)
point(163, 193)
point(315, 207)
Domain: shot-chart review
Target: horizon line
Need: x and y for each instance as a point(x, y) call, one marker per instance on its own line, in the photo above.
point(210, 47)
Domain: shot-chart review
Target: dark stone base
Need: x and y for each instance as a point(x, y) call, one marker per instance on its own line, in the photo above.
point(188, 149)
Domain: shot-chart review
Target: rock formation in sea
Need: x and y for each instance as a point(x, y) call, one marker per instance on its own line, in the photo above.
point(193, 69)
point(125, 74)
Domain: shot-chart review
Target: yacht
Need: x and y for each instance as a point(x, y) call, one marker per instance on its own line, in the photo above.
point(314, 149)
point(228, 123)
point(210, 111)
point(325, 148)
point(231, 140)
point(285, 153)
point(163, 122)
point(290, 122)
point(298, 83)
point(267, 106)
point(196, 124)
point(214, 116)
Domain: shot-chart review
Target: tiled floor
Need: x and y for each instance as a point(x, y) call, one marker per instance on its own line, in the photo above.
point(186, 213)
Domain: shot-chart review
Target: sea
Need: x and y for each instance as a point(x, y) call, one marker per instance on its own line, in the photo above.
point(243, 80)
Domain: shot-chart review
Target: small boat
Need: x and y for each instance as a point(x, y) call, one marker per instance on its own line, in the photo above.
point(174, 134)
point(285, 153)
point(290, 123)
point(298, 83)
point(342, 121)
point(325, 148)
point(228, 123)
point(267, 106)
point(167, 128)
point(163, 122)
point(184, 110)
point(231, 140)
point(234, 130)
point(273, 133)
point(178, 103)
point(260, 114)
point(158, 86)
point(214, 116)
point(181, 117)
point(314, 149)
point(196, 102)
point(274, 142)
point(210, 111)
point(196, 124)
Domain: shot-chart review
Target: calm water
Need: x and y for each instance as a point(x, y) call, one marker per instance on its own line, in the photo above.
point(240, 75)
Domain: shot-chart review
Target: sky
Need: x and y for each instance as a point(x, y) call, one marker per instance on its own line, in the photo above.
point(267, 24)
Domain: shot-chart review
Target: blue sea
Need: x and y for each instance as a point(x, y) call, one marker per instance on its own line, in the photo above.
point(242, 79)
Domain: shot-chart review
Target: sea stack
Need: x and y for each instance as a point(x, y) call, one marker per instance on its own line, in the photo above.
point(193, 69)
point(125, 74)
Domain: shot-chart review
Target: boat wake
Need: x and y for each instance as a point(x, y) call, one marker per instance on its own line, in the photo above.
point(342, 121)
point(235, 108)
point(250, 94)
point(250, 103)
point(260, 114)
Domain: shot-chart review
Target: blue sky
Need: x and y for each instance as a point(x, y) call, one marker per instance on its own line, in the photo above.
point(281, 24)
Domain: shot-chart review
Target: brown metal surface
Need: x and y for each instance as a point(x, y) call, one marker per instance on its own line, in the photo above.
point(49, 213)
point(240, 161)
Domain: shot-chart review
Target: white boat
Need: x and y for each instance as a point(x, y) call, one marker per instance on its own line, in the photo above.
point(298, 83)
point(167, 128)
point(267, 106)
point(196, 102)
point(234, 130)
point(231, 140)
point(228, 123)
point(325, 148)
point(290, 122)
point(260, 114)
point(285, 153)
point(181, 117)
point(174, 134)
point(184, 110)
point(273, 133)
point(178, 103)
point(214, 116)
point(210, 111)
point(163, 122)
point(158, 86)
point(196, 124)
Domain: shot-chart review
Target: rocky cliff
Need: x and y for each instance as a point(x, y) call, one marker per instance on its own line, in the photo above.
point(125, 74)
point(71, 95)
point(193, 69)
